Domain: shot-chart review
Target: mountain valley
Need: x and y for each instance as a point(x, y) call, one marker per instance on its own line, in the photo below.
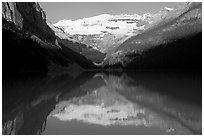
point(149, 41)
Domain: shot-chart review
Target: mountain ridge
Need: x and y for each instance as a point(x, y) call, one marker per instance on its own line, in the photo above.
point(29, 44)
point(109, 49)
point(93, 31)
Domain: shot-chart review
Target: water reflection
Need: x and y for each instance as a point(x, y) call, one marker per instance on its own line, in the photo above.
point(101, 103)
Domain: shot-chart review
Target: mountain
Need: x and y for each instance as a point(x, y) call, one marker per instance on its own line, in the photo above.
point(90, 53)
point(29, 44)
point(148, 37)
point(106, 32)
point(103, 32)
point(29, 16)
point(171, 42)
point(169, 39)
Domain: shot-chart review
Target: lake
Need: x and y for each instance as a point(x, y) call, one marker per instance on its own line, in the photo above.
point(103, 103)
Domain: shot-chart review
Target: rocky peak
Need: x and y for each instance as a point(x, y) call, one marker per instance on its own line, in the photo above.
point(29, 16)
point(10, 13)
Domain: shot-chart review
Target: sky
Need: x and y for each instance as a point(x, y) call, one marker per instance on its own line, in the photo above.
point(56, 11)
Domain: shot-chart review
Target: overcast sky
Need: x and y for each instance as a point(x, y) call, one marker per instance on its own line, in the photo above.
point(56, 11)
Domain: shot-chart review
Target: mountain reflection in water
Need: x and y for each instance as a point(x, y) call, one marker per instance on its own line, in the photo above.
point(102, 103)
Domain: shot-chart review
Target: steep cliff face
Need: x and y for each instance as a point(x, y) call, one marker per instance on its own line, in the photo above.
point(10, 13)
point(29, 44)
point(29, 16)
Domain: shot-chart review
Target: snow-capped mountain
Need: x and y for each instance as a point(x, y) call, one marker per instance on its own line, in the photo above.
point(111, 33)
point(171, 32)
point(114, 24)
point(103, 32)
point(106, 32)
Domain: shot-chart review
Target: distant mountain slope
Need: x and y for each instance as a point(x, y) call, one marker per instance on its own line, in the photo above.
point(106, 32)
point(103, 32)
point(175, 41)
point(89, 52)
point(119, 35)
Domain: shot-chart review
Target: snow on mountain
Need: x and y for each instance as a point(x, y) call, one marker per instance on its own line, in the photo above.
point(167, 28)
point(169, 9)
point(103, 32)
point(118, 24)
point(106, 32)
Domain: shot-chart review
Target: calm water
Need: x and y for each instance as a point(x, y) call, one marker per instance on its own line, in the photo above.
point(103, 103)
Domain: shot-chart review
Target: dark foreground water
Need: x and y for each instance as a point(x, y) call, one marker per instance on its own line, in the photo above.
point(103, 103)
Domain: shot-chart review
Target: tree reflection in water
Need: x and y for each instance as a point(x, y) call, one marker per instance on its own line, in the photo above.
point(170, 102)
